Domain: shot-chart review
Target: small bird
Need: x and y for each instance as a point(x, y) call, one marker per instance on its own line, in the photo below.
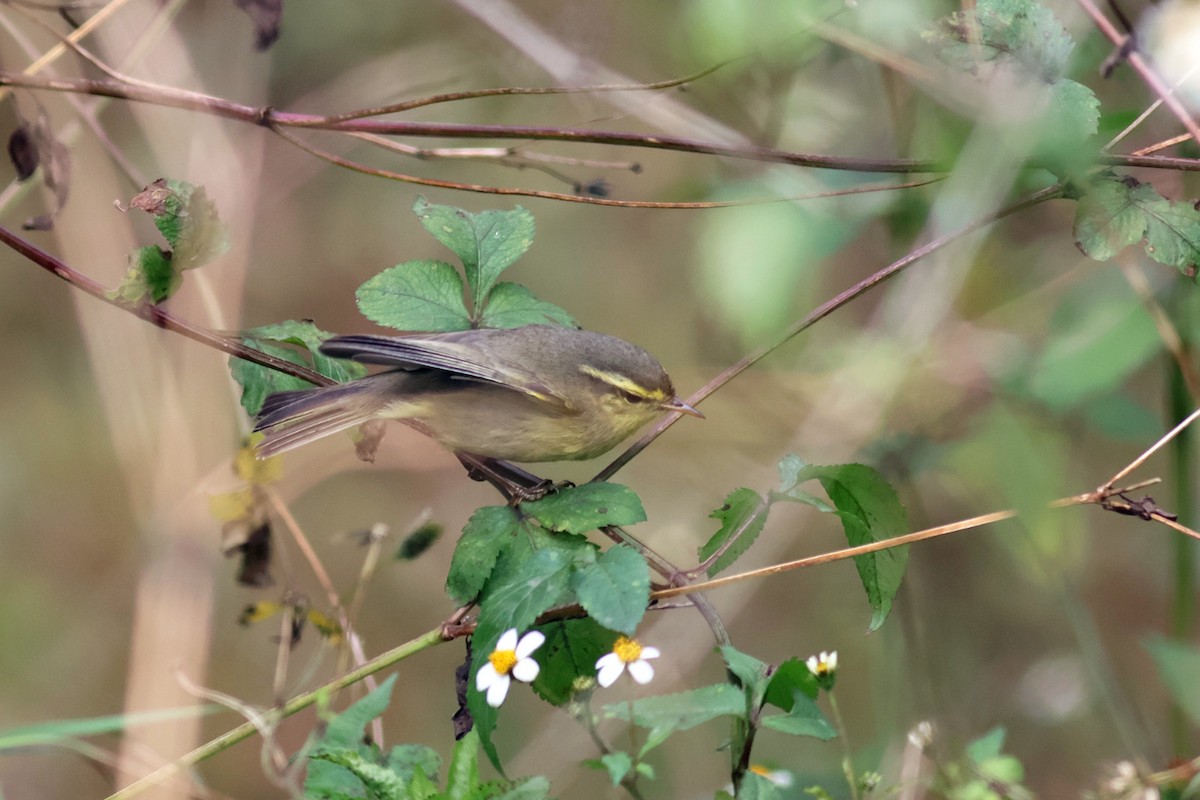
point(530, 394)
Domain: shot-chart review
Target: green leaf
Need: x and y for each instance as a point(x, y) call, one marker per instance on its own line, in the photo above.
point(150, 274)
point(1178, 665)
point(1172, 232)
point(487, 242)
point(535, 788)
point(803, 719)
point(618, 765)
point(511, 305)
point(537, 584)
point(462, 777)
point(258, 381)
point(1108, 218)
point(580, 509)
point(346, 729)
point(380, 781)
point(489, 530)
point(1021, 32)
point(59, 730)
point(416, 296)
point(407, 759)
point(187, 219)
point(869, 511)
point(790, 677)
point(417, 542)
point(990, 745)
point(616, 589)
point(524, 585)
point(1114, 213)
point(1100, 334)
point(757, 787)
point(682, 710)
point(571, 650)
point(749, 670)
point(743, 515)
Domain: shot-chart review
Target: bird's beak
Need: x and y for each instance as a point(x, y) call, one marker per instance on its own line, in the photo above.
point(675, 404)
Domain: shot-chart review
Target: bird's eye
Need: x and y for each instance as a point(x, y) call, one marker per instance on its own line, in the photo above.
point(630, 397)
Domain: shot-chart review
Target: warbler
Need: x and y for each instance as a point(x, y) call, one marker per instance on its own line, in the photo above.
point(530, 394)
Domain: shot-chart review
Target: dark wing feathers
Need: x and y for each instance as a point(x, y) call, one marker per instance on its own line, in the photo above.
point(446, 352)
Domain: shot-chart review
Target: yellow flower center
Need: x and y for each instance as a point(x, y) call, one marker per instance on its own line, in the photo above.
point(503, 661)
point(822, 667)
point(627, 650)
point(759, 769)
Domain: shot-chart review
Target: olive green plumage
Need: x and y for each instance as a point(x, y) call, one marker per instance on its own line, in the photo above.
point(535, 393)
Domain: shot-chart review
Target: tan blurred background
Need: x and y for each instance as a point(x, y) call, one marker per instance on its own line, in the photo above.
point(113, 434)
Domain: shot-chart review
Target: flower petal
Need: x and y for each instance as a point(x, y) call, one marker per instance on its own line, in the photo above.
point(612, 669)
point(529, 642)
point(607, 659)
point(498, 691)
point(486, 677)
point(508, 640)
point(525, 670)
point(650, 652)
point(641, 671)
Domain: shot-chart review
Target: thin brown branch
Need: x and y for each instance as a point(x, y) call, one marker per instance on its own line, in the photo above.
point(521, 91)
point(1149, 451)
point(1143, 69)
point(157, 315)
point(819, 313)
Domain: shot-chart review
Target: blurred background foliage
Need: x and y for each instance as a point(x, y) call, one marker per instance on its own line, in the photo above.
point(1004, 371)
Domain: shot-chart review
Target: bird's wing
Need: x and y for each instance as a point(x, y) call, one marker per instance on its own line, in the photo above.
point(454, 353)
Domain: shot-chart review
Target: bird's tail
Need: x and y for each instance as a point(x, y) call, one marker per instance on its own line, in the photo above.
point(292, 419)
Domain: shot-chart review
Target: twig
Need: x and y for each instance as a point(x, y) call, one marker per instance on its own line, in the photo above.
point(1151, 450)
point(157, 315)
point(819, 313)
point(1148, 75)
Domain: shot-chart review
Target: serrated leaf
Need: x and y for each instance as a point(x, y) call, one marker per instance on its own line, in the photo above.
point(487, 242)
point(682, 710)
point(1172, 233)
point(1178, 664)
point(618, 765)
point(615, 590)
point(803, 719)
point(1115, 213)
point(489, 530)
point(790, 677)
point(749, 670)
point(869, 511)
point(1107, 218)
point(415, 296)
point(406, 759)
point(379, 781)
point(1021, 31)
point(743, 515)
point(537, 584)
point(511, 305)
point(462, 776)
point(580, 509)
point(571, 650)
point(258, 381)
point(346, 729)
point(150, 275)
point(535, 788)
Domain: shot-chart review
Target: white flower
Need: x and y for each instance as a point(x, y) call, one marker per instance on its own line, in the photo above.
point(822, 665)
point(626, 653)
point(509, 660)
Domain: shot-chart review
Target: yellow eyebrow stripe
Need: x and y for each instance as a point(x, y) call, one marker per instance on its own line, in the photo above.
point(621, 382)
